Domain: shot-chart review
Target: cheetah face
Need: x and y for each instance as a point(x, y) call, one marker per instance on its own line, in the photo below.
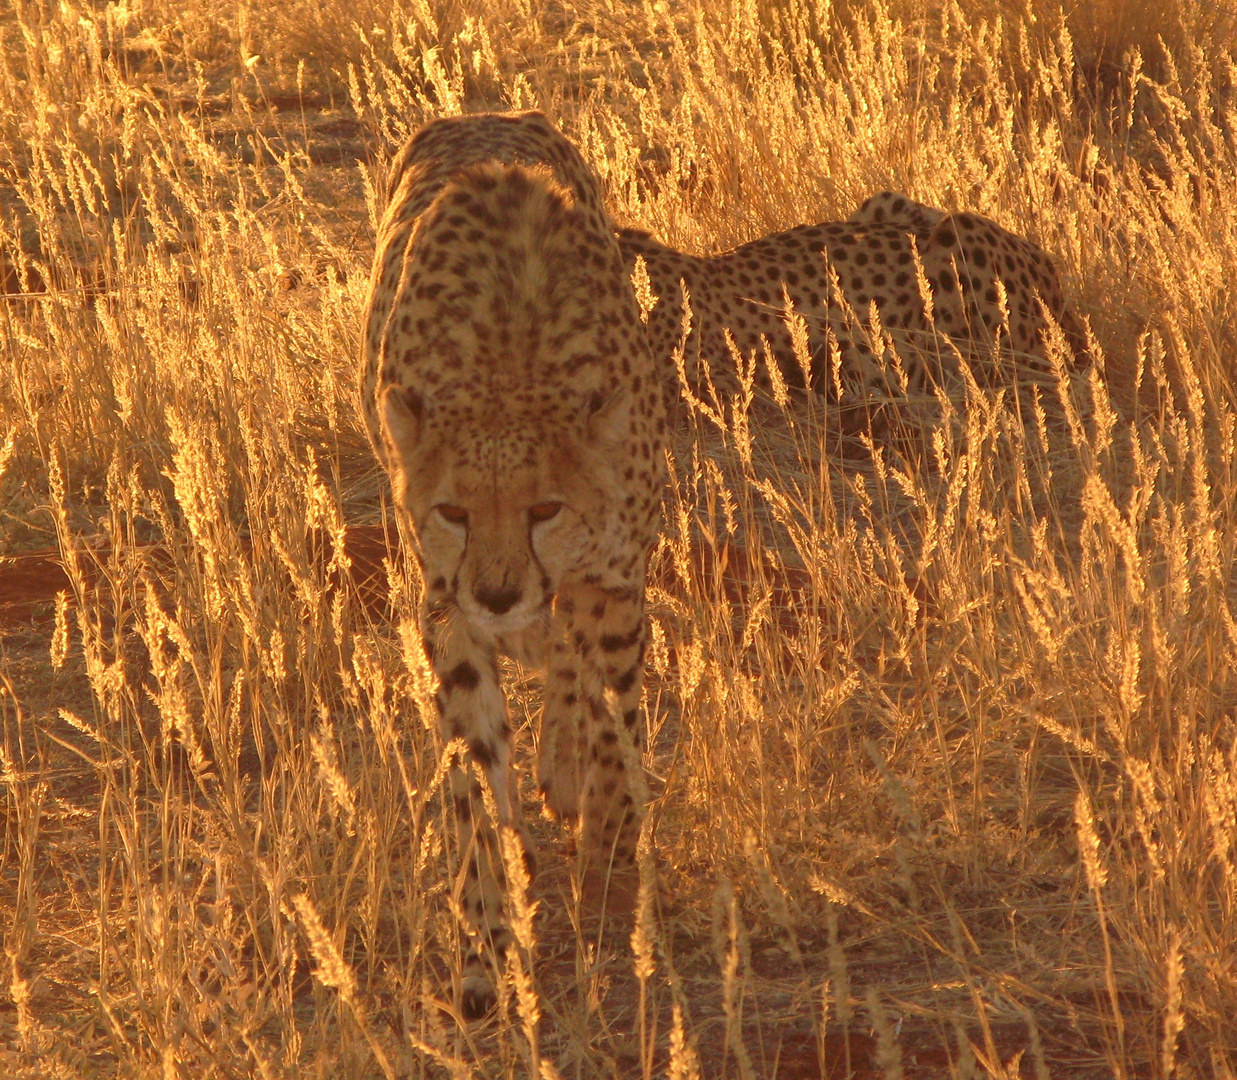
point(500, 517)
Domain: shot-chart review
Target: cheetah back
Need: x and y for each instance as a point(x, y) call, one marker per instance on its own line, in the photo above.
point(418, 174)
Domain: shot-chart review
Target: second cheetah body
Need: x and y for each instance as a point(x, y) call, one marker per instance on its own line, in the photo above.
point(833, 275)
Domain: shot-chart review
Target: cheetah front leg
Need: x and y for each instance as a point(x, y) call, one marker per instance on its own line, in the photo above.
point(614, 790)
point(471, 707)
point(562, 746)
point(591, 734)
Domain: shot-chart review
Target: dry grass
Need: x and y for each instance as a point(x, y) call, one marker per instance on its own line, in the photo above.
point(942, 722)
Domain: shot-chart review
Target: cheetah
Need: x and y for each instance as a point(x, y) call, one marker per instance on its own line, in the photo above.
point(509, 392)
point(869, 261)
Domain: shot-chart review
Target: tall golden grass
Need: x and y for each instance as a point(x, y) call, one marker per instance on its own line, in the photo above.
point(942, 718)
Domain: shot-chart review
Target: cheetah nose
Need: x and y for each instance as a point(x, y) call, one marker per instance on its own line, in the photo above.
point(499, 601)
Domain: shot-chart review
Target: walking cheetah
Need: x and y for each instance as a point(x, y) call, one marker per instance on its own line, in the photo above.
point(868, 260)
point(509, 392)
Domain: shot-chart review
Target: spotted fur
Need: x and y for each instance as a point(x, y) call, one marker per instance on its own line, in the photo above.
point(509, 392)
point(834, 275)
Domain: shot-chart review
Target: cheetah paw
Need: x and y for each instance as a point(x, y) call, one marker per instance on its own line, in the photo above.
point(477, 998)
point(561, 791)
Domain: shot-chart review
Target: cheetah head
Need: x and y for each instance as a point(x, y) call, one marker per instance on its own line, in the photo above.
point(504, 503)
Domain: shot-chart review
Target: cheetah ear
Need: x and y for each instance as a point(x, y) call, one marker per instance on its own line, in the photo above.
point(609, 418)
point(403, 413)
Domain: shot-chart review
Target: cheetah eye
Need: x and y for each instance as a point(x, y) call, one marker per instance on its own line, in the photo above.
point(455, 515)
point(543, 511)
